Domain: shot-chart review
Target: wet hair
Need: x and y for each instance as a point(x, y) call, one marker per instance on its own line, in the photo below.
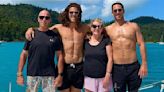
point(64, 16)
point(119, 3)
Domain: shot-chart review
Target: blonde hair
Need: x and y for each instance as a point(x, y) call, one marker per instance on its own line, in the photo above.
point(102, 25)
point(97, 20)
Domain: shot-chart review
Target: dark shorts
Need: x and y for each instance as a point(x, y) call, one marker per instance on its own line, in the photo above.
point(73, 76)
point(125, 76)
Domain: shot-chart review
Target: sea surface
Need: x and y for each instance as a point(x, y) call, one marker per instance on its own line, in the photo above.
point(10, 52)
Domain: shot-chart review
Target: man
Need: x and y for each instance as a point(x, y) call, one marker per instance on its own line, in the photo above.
point(41, 51)
point(72, 32)
point(124, 36)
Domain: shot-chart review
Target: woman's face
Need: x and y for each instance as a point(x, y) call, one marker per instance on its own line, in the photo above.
point(96, 28)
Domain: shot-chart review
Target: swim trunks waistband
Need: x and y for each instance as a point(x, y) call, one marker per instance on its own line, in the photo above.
point(126, 64)
point(73, 65)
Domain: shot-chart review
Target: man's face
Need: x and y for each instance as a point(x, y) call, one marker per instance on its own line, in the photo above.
point(73, 14)
point(118, 12)
point(44, 18)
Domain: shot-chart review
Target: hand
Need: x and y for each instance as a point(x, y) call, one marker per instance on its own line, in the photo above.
point(29, 34)
point(143, 71)
point(106, 81)
point(58, 81)
point(20, 80)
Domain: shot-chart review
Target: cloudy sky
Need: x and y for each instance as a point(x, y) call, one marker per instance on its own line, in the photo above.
point(101, 8)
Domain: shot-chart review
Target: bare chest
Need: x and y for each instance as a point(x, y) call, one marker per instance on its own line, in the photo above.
point(123, 33)
point(73, 35)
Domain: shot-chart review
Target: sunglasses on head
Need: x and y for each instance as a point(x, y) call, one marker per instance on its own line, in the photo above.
point(71, 12)
point(46, 17)
point(117, 10)
point(96, 26)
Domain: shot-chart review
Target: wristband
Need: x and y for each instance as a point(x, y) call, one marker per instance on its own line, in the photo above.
point(108, 73)
point(61, 74)
point(19, 74)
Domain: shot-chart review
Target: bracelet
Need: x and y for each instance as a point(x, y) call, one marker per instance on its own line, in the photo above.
point(19, 74)
point(108, 73)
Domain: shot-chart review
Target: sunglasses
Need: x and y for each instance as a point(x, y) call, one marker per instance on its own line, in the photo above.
point(73, 12)
point(117, 10)
point(46, 17)
point(96, 26)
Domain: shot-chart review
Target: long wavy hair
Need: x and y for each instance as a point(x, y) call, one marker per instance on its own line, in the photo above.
point(64, 16)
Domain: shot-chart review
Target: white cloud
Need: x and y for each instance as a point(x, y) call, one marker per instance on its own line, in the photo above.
point(91, 8)
point(90, 11)
point(106, 10)
point(90, 2)
point(35, 2)
point(59, 10)
point(56, 5)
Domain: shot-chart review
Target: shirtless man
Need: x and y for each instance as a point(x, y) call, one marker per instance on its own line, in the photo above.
point(124, 36)
point(72, 33)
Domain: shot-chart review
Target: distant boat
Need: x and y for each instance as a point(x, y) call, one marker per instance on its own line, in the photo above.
point(161, 40)
point(1, 42)
point(162, 43)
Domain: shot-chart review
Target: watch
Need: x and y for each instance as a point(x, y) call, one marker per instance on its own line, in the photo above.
point(61, 74)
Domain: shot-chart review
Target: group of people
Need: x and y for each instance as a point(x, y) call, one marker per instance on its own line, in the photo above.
point(104, 61)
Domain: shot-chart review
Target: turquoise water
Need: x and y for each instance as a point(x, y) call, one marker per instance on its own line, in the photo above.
point(9, 57)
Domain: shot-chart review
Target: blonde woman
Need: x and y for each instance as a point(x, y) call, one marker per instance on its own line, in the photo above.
point(97, 59)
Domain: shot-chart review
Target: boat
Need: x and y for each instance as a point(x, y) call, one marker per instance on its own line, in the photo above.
point(1, 42)
point(161, 40)
point(162, 43)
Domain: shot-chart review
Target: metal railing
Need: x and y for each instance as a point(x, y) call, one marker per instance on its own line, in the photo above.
point(148, 86)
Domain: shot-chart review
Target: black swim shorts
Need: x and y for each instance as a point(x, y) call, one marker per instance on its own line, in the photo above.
point(73, 76)
point(125, 76)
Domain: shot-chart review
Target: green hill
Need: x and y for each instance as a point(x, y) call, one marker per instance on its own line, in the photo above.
point(147, 20)
point(15, 19)
point(152, 28)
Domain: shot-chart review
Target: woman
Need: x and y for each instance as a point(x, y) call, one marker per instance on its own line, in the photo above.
point(97, 60)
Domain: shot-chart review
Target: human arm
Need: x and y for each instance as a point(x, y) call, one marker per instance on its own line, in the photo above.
point(60, 66)
point(106, 80)
point(143, 69)
point(22, 61)
point(29, 33)
point(54, 27)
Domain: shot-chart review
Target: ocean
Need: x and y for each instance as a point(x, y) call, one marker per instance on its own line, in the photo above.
point(10, 52)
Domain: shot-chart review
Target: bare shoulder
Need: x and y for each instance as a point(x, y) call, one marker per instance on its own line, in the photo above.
point(109, 27)
point(85, 27)
point(56, 27)
point(134, 25)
